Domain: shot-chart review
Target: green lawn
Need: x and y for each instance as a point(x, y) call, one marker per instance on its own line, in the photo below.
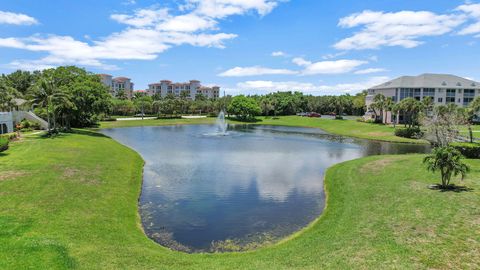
point(71, 202)
point(350, 128)
point(475, 129)
point(155, 122)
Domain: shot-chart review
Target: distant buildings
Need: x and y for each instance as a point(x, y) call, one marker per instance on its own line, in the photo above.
point(190, 89)
point(442, 88)
point(117, 84)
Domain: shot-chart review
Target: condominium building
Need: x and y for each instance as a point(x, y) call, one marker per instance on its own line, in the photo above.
point(117, 84)
point(191, 89)
point(442, 88)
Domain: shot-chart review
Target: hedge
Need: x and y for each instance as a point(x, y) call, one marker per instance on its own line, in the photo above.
point(411, 133)
point(3, 144)
point(469, 150)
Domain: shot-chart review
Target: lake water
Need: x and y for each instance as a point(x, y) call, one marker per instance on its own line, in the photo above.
point(204, 193)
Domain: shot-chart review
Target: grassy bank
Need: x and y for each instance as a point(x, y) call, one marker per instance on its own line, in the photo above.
point(349, 128)
point(71, 202)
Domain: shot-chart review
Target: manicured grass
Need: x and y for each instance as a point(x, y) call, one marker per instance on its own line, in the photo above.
point(71, 202)
point(350, 128)
point(156, 122)
point(475, 129)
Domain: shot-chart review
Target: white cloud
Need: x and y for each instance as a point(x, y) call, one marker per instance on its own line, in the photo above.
point(278, 53)
point(149, 32)
point(473, 12)
point(129, 2)
point(403, 28)
point(142, 17)
point(333, 55)
point(328, 67)
point(16, 18)
point(223, 8)
point(255, 71)
point(306, 87)
point(370, 70)
point(299, 61)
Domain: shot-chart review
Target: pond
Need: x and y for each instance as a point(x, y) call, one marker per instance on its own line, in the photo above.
point(206, 193)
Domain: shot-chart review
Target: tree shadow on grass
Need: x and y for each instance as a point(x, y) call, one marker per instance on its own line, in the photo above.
point(89, 133)
point(73, 131)
point(450, 188)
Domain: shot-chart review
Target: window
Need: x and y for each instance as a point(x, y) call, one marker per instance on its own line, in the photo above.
point(440, 100)
point(429, 92)
point(406, 93)
point(3, 129)
point(450, 96)
point(468, 96)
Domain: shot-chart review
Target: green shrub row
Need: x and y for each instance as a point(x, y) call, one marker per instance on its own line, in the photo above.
point(469, 150)
point(411, 133)
point(3, 144)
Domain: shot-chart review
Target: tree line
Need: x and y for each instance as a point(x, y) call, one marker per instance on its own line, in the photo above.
point(273, 104)
point(69, 96)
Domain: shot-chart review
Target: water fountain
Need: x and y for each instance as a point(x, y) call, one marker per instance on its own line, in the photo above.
point(221, 124)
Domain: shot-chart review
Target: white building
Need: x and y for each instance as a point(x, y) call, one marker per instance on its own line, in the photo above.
point(117, 84)
point(191, 89)
point(442, 88)
point(6, 122)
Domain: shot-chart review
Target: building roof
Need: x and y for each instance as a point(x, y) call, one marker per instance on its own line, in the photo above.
point(122, 79)
point(429, 80)
point(104, 75)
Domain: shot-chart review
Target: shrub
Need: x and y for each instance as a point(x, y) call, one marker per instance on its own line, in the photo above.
point(469, 150)
point(411, 133)
point(338, 117)
point(109, 119)
point(3, 144)
point(26, 125)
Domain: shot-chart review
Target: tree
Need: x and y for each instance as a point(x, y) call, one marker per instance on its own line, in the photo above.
point(47, 95)
point(244, 108)
point(7, 96)
point(266, 105)
point(471, 112)
point(378, 106)
point(121, 95)
point(442, 125)
point(448, 161)
point(410, 108)
point(21, 81)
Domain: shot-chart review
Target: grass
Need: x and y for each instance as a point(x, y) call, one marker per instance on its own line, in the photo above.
point(475, 129)
point(71, 202)
point(349, 128)
point(156, 122)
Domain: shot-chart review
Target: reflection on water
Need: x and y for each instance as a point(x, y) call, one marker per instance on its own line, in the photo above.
point(259, 184)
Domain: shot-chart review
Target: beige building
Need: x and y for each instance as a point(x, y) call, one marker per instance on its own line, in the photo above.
point(442, 88)
point(191, 89)
point(117, 84)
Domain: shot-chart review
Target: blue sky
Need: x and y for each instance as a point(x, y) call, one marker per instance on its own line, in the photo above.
point(245, 46)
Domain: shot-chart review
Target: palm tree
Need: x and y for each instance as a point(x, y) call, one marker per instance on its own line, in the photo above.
point(448, 161)
point(378, 104)
point(7, 96)
point(388, 107)
point(46, 94)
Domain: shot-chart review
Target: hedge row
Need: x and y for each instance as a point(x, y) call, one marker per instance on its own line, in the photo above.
point(469, 150)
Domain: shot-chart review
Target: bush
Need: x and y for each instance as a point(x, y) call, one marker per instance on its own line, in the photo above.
point(411, 133)
point(469, 150)
point(26, 125)
point(109, 119)
point(338, 117)
point(3, 144)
